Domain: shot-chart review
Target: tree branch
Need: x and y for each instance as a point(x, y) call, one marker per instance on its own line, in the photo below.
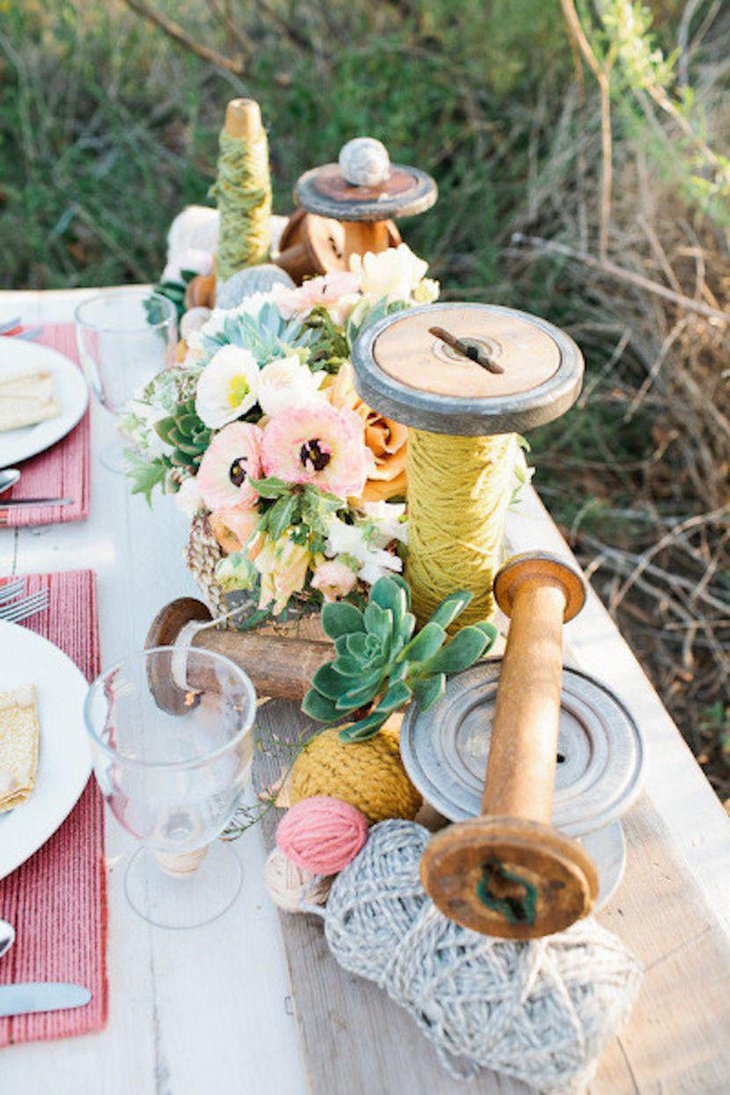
point(175, 31)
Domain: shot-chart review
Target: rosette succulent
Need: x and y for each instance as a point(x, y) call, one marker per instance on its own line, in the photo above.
point(186, 434)
point(380, 661)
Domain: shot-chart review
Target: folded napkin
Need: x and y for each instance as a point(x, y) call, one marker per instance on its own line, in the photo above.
point(27, 396)
point(19, 733)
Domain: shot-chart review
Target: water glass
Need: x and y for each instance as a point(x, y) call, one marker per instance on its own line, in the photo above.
point(125, 337)
point(172, 763)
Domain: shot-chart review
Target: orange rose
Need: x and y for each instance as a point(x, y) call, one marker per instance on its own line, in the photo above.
point(385, 438)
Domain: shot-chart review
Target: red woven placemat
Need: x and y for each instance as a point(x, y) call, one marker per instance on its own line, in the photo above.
point(62, 471)
point(56, 900)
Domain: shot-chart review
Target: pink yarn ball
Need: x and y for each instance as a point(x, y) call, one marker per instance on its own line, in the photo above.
point(322, 834)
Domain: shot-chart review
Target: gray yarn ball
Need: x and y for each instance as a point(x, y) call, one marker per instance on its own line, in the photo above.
point(244, 283)
point(364, 161)
point(540, 1011)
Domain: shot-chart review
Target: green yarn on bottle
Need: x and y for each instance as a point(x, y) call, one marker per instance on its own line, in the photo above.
point(243, 195)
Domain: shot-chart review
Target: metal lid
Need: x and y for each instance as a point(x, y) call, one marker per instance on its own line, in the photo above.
point(408, 373)
point(326, 191)
point(600, 750)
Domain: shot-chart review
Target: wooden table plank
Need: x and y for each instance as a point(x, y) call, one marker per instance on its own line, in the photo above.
point(208, 1010)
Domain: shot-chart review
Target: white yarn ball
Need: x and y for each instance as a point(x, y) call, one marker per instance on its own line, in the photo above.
point(193, 320)
point(541, 1011)
point(365, 161)
point(292, 888)
point(197, 228)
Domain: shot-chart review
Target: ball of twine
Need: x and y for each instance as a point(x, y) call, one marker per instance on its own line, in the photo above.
point(291, 888)
point(540, 1011)
point(322, 834)
point(369, 774)
point(364, 161)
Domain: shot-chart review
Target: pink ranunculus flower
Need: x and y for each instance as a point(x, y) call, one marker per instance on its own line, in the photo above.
point(337, 292)
point(333, 579)
point(318, 445)
point(234, 526)
point(232, 459)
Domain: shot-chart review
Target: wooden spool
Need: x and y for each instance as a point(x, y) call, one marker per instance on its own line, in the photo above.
point(278, 667)
point(509, 872)
point(412, 375)
point(312, 245)
point(337, 219)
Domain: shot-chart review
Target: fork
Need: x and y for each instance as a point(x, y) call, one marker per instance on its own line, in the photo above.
point(24, 607)
point(10, 590)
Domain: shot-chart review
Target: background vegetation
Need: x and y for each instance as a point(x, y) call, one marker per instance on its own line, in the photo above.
point(108, 126)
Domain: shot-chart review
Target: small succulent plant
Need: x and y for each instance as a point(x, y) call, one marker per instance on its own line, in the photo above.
point(378, 657)
point(187, 434)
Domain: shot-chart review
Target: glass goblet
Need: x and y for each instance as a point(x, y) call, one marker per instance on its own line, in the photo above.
point(125, 337)
point(173, 774)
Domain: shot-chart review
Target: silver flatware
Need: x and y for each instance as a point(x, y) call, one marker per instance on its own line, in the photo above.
point(9, 324)
point(41, 996)
point(16, 611)
point(7, 937)
point(28, 334)
point(10, 590)
point(13, 503)
point(8, 478)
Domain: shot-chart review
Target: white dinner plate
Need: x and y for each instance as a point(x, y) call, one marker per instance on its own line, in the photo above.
point(64, 761)
point(72, 395)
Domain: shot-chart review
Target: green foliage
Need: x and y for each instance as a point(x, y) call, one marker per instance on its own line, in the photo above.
point(187, 435)
point(378, 657)
point(303, 509)
point(144, 475)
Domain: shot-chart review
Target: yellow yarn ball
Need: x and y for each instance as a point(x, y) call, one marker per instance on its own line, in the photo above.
point(367, 774)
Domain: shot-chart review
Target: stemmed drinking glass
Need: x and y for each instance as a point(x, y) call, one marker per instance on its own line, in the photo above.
point(125, 337)
point(172, 758)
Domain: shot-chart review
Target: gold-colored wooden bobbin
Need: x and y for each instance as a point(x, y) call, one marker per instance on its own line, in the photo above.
point(510, 873)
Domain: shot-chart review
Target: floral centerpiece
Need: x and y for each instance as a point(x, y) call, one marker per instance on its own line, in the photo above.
point(295, 485)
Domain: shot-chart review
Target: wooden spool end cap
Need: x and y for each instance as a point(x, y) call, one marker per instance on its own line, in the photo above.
point(243, 119)
point(164, 631)
point(528, 371)
point(542, 565)
point(508, 877)
point(325, 190)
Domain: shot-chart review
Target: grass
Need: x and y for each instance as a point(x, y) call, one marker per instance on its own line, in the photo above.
point(107, 128)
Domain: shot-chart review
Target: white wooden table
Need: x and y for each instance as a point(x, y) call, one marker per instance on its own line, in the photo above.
point(210, 1010)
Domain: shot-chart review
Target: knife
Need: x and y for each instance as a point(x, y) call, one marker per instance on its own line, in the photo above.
point(41, 996)
point(35, 502)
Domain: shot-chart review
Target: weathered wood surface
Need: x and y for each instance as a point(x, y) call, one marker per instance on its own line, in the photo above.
point(678, 1040)
point(210, 1010)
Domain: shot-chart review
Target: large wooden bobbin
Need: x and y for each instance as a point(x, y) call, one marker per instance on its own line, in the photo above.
point(509, 872)
point(338, 218)
point(465, 379)
point(278, 667)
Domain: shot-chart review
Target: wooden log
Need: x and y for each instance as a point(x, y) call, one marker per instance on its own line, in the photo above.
point(278, 666)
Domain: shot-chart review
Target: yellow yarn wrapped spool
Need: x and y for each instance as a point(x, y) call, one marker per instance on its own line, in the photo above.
point(466, 379)
point(459, 489)
point(242, 190)
point(369, 774)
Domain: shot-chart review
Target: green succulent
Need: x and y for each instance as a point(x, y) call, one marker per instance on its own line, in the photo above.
point(379, 657)
point(188, 436)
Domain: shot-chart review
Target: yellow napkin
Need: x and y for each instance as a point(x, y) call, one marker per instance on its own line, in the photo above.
point(19, 734)
point(27, 396)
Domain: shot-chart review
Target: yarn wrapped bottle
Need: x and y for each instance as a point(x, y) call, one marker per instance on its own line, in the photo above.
point(242, 190)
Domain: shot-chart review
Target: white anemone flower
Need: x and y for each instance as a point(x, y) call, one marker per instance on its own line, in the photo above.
point(390, 275)
point(388, 518)
point(228, 386)
point(285, 382)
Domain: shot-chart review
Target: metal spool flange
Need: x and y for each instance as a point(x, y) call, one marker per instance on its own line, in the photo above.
point(600, 750)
